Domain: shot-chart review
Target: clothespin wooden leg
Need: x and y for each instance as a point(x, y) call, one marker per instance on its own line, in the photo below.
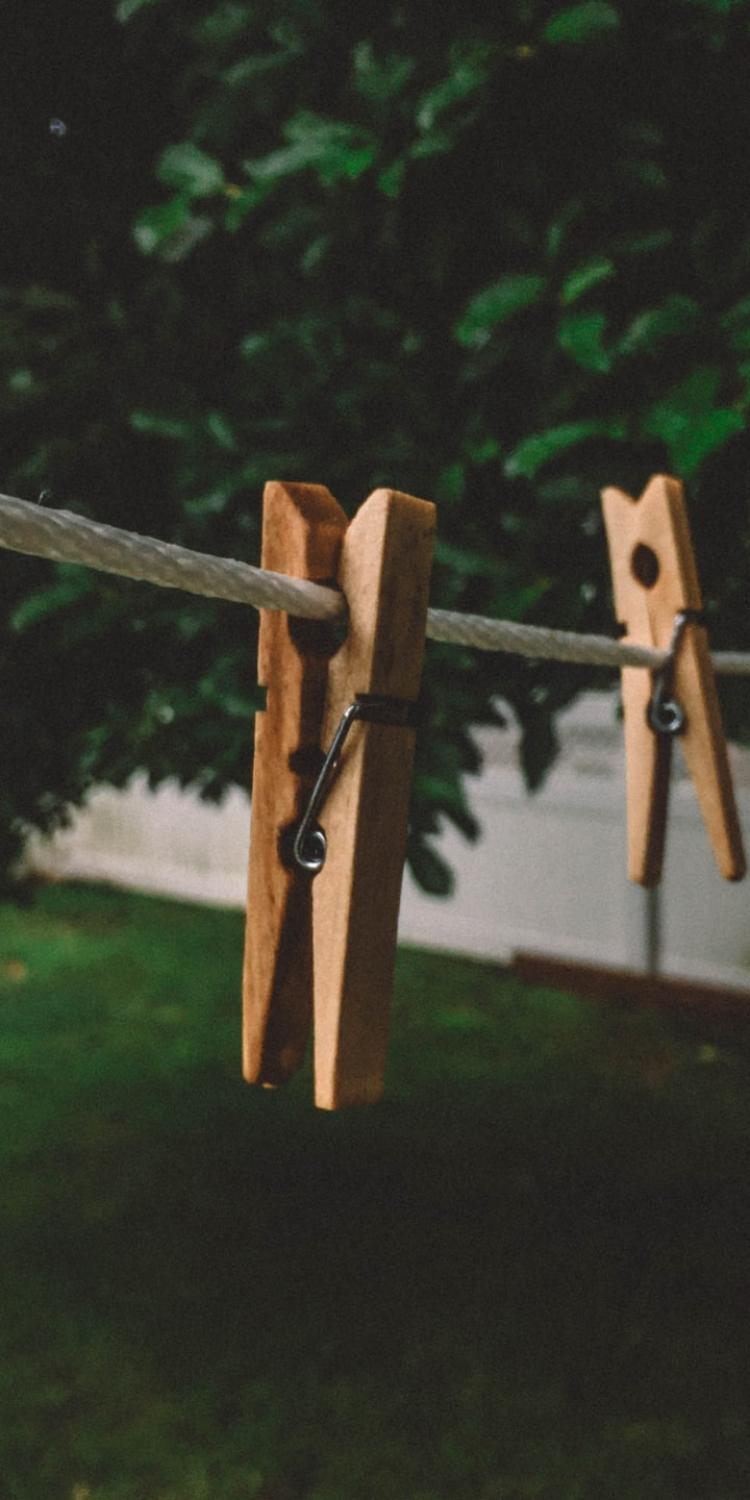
point(655, 582)
point(648, 765)
point(384, 573)
point(303, 528)
point(706, 755)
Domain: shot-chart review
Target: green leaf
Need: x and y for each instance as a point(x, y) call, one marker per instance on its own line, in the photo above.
point(334, 149)
point(537, 750)
point(255, 344)
point(159, 425)
point(447, 794)
point(22, 382)
point(379, 80)
point(48, 601)
point(542, 447)
point(564, 489)
point(211, 504)
point(584, 277)
point(242, 203)
point(696, 393)
point(220, 429)
point(646, 171)
point(467, 563)
point(429, 870)
point(580, 335)
point(690, 444)
point(739, 314)
point(170, 230)
point(314, 254)
point(558, 228)
point(495, 304)
point(432, 143)
point(643, 244)
point(677, 314)
point(221, 26)
point(579, 23)
point(479, 445)
point(249, 69)
point(190, 170)
point(391, 179)
point(155, 225)
point(469, 73)
point(450, 485)
point(736, 323)
point(690, 423)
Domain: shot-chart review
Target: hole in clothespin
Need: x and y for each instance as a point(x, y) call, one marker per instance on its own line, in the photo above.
point(306, 761)
point(319, 637)
point(644, 565)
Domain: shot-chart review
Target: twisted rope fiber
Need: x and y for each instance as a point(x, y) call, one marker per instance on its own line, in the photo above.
point(61, 536)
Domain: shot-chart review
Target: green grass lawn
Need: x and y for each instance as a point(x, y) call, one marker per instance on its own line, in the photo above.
point(524, 1274)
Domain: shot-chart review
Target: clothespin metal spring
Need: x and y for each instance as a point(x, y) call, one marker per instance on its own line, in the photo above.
point(310, 846)
point(664, 714)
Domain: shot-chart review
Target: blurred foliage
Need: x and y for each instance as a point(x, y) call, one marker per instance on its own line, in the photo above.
point(497, 258)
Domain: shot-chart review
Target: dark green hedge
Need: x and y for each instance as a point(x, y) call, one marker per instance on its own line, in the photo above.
point(495, 256)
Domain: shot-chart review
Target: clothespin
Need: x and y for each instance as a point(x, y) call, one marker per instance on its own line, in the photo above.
point(333, 758)
point(303, 528)
point(658, 600)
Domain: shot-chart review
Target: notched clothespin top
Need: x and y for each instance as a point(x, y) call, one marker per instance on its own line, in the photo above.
point(334, 751)
point(658, 600)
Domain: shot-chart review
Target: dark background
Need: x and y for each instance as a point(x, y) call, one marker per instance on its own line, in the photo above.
point(495, 257)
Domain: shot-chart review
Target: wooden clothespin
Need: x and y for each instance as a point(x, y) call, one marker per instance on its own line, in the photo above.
point(333, 759)
point(303, 528)
point(658, 600)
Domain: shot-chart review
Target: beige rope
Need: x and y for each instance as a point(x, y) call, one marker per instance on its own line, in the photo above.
point(64, 537)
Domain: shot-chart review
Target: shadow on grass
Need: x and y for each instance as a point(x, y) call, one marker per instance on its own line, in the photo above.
point(522, 1275)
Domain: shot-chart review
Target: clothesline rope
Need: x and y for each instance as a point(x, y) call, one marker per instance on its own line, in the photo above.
point(62, 536)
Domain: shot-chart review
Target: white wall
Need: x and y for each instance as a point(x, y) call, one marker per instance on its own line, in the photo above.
point(547, 873)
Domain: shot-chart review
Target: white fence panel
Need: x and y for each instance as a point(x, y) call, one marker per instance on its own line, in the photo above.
point(547, 873)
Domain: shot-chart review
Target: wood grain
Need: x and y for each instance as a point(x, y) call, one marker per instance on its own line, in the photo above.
point(658, 521)
point(384, 572)
point(303, 529)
